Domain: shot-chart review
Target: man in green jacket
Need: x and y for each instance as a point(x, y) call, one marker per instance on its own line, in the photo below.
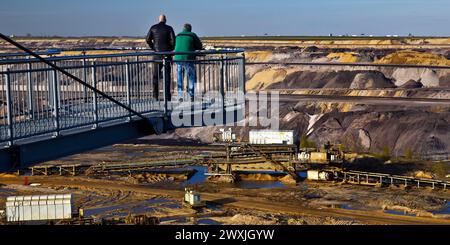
point(186, 41)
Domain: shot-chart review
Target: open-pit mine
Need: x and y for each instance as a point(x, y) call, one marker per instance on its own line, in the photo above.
point(363, 137)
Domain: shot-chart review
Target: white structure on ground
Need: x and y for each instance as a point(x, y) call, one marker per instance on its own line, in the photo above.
point(38, 208)
point(267, 137)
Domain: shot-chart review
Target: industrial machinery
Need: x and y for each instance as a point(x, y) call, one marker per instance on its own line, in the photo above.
point(141, 220)
point(224, 136)
point(328, 156)
point(319, 175)
point(276, 150)
point(192, 198)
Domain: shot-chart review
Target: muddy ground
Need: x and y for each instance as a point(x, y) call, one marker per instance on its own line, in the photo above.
point(247, 202)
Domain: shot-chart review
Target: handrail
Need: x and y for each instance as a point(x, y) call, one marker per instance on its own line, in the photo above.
point(24, 54)
point(76, 57)
point(112, 64)
point(71, 76)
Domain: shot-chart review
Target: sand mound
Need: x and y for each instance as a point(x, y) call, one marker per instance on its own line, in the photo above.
point(265, 78)
point(8, 175)
point(258, 56)
point(371, 79)
point(329, 79)
point(414, 58)
point(428, 77)
point(344, 57)
point(288, 179)
point(259, 177)
point(423, 175)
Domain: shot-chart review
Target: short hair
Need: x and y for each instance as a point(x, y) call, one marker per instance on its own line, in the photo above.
point(188, 27)
point(162, 18)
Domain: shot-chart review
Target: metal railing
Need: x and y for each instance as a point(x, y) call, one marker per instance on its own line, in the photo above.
point(10, 56)
point(36, 99)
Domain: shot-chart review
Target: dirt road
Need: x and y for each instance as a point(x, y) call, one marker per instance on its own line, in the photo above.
point(240, 202)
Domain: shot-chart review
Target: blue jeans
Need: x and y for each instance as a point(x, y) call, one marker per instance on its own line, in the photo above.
point(192, 77)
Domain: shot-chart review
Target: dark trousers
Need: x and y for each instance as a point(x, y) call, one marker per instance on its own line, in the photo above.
point(158, 69)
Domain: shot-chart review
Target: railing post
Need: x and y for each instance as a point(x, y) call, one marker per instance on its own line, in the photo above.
point(85, 79)
point(242, 80)
point(30, 91)
point(9, 108)
point(50, 89)
point(222, 88)
point(127, 84)
point(56, 102)
point(137, 78)
point(166, 92)
point(94, 93)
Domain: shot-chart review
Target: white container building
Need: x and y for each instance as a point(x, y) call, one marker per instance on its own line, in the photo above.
point(267, 137)
point(38, 208)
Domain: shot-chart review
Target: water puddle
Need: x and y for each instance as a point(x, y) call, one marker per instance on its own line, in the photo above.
point(175, 220)
point(398, 212)
point(302, 174)
point(6, 191)
point(445, 210)
point(208, 222)
point(102, 210)
point(157, 201)
point(346, 207)
point(198, 177)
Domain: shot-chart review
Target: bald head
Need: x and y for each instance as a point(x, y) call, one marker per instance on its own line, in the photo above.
point(162, 18)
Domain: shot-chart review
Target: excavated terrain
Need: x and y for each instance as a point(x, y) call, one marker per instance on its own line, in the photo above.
point(357, 125)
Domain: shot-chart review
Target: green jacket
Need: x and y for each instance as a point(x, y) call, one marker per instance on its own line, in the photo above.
point(187, 41)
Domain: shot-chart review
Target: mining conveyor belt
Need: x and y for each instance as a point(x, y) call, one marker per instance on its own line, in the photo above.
point(269, 159)
point(370, 178)
point(138, 166)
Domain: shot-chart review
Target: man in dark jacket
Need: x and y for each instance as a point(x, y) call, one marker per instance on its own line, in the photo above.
point(186, 41)
point(161, 38)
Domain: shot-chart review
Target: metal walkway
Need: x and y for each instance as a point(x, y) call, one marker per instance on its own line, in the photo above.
point(46, 114)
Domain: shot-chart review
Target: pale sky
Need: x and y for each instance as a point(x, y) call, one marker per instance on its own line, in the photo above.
point(226, 17)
